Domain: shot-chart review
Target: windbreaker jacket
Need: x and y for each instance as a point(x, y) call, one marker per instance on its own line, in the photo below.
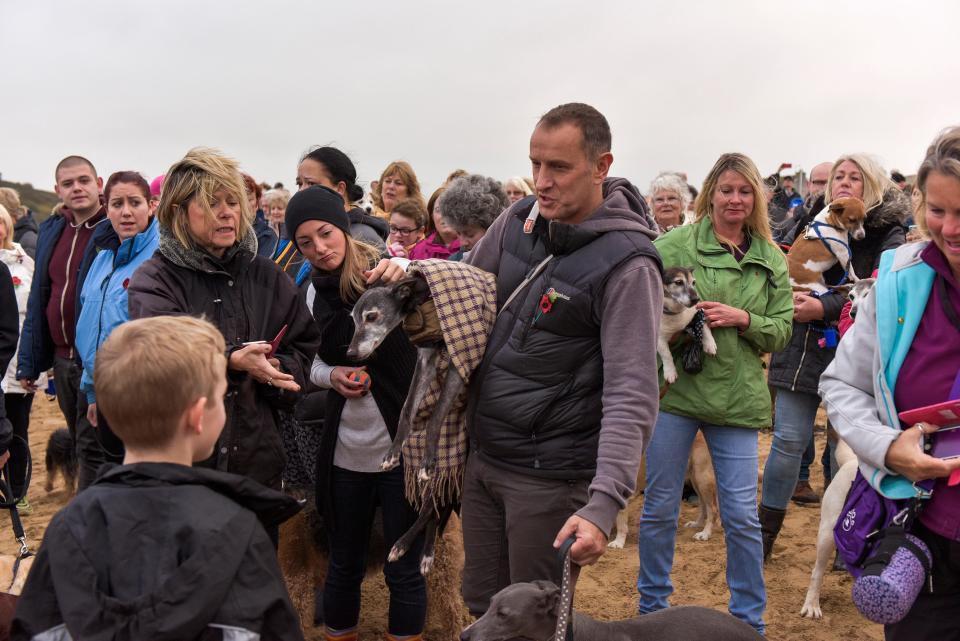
point(156, 551)
point(103, 299)
point(731, 389)
point(36, 351)
point(247, 298)
point(857, 388)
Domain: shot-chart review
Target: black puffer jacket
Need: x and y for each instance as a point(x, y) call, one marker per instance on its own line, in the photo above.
point(799, 366)
point(248, 298)
point(161, 551)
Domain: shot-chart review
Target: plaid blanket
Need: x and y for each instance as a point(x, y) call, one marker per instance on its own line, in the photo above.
point(466, 304)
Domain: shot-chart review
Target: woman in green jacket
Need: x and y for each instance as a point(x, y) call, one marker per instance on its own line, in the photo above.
point(741, 277)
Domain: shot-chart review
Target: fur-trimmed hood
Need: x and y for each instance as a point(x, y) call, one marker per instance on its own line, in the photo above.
point(894, 209)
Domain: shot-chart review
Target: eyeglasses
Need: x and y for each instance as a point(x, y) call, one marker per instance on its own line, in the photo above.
point(661, 200)
point(403, 231)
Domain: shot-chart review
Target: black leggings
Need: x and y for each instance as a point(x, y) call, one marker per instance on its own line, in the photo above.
point(355, 496)
point(18, 411)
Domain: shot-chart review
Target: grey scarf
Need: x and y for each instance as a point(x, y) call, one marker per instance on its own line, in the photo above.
point(197, 259)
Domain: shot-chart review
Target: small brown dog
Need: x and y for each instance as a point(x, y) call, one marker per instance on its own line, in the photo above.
point(701, 476)
point(61, 458)
point(826, 242)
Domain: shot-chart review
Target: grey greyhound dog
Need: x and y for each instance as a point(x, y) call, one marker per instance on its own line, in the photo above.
point(379, 311)
point(529, 611)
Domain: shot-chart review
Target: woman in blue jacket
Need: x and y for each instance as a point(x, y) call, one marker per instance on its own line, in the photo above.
point(103, 300)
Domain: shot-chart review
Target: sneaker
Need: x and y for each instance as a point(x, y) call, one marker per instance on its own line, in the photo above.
point(24, 507)
point(803, 494)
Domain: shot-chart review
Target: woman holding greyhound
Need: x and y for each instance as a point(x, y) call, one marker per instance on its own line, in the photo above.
point(903, 353)
point(360, 422)
point(742, 279)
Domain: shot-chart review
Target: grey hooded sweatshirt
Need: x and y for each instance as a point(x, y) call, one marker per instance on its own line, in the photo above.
point(628, 310)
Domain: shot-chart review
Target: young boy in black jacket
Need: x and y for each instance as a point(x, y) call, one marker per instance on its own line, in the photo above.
point(155, 548)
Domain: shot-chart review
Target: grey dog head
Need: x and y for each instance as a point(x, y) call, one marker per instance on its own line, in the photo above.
point(525, 610)
point(380, 309)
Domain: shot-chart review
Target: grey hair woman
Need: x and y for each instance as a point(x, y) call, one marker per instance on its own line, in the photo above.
point(669, 197)
point(470, 205)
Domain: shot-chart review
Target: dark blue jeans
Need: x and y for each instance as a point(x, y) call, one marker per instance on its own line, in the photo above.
point(355, 497)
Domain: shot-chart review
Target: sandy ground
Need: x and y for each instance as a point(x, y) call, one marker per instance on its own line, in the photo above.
point(607, 590)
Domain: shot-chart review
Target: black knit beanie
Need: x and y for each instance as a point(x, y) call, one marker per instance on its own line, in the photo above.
point(316, 203)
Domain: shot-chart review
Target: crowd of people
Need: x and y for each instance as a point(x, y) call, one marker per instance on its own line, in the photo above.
point(261, 398)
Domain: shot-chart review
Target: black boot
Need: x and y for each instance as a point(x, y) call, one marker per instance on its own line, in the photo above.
point(771, 520)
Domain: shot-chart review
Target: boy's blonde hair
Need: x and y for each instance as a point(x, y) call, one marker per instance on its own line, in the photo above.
point(150, 371)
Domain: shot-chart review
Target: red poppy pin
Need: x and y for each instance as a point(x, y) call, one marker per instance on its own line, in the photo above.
point(126, 283)
point(17, 282)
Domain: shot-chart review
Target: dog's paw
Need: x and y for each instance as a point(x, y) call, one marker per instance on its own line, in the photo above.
point(426, 472)
point(617, 543)
point(390, 461)
point(396, 553)
point(670, 375)
point(426, 564)
point(702, 535)
point(811, 610)
point(709, 346)
point(696, 524)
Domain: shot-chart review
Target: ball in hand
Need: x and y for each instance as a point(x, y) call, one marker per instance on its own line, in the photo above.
point(361, 377)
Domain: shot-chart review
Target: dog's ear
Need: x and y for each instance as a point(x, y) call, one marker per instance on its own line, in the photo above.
point(836, 207)
point(411, 292)
point(550, 596)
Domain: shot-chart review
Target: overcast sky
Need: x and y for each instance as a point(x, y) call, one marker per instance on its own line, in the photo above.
point(133, 85)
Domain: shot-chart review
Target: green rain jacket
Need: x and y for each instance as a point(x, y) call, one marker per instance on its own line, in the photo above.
point(732, 388)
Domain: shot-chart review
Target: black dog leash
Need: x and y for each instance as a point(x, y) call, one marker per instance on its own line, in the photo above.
point(564, 629)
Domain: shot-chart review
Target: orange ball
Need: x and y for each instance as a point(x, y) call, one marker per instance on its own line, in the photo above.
point(360, 376)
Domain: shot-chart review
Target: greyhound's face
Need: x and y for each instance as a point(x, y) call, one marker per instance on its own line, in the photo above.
point(679, 289)
point(378, 312)
point(526, 610)
point(859, 292)
point(849, 214)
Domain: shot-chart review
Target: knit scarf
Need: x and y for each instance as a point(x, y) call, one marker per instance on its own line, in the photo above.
point(465, 299)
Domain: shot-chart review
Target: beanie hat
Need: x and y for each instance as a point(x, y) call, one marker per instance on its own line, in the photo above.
point(157, 185)
point(316, 203)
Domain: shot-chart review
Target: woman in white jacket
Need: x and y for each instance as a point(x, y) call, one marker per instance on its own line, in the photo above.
point(18, 400)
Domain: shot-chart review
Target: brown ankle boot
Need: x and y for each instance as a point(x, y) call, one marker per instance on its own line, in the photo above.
point(771, 520)
point(803, 494)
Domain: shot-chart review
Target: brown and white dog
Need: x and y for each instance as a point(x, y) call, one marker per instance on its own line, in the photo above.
point(826, 242)
point(701, 476)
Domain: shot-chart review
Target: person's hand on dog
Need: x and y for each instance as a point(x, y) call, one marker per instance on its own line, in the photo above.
point(906, 457)
point(92, 414)
point(591, 541)
point(389, 271)
point(720, 315)
point(252, 359)
point(807, 308)
point(340, 381)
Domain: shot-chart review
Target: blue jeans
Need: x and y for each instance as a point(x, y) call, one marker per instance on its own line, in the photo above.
point(793, 420)
point(355, 496)
point(734, 454)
